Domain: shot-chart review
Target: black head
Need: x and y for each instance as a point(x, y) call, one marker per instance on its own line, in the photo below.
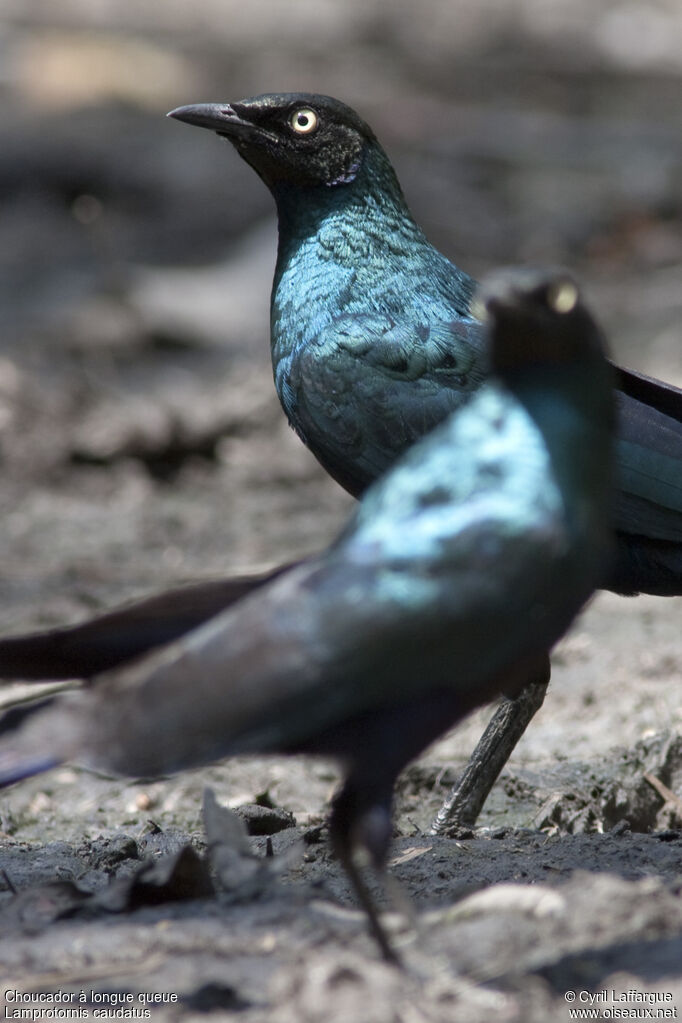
point(537, 317)
point(296, 137)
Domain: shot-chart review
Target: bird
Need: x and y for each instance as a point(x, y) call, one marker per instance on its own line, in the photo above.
point(441, 589)
point(375, 339)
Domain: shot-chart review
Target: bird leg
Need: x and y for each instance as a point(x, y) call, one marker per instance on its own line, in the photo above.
point(353, 871)
point(465, 801)
point(360, 832)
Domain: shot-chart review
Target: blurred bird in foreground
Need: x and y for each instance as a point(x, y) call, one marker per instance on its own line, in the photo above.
point(461, 567)
point(374, 342)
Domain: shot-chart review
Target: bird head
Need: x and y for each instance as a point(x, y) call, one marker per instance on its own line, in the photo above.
point(294, 138)
point(537, 317)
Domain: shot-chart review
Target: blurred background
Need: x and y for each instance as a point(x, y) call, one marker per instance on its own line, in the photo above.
point(140, 438)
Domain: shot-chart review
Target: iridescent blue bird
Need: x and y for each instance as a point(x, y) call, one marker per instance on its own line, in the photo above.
point(442, 589)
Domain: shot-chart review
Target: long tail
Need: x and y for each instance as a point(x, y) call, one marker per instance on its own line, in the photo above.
point(111, 639)
point(648, 511)
point(34, 738)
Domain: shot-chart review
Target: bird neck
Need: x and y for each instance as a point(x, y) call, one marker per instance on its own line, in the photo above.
point(346, 219)
point(355, 248)
point(572, 406)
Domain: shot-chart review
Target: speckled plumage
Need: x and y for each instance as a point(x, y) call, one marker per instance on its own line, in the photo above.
point(363, 370)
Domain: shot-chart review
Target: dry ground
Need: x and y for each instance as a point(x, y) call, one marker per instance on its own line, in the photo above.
point(141, 445)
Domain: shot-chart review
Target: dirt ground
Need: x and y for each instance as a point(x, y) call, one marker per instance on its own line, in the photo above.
point(141, 444)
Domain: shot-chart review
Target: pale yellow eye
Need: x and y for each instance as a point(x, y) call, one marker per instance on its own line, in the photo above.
point(477, 309)
point(562, 296)
point(303, 121)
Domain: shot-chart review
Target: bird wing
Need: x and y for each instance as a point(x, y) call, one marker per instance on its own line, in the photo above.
point(649, 457)
point(366, 388)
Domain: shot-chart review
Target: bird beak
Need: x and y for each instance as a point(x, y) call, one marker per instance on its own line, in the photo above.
point(218, 117)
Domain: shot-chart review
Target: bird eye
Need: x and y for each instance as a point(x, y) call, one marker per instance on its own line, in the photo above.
point(562, 296)
point(477, 309)
point(303, 121)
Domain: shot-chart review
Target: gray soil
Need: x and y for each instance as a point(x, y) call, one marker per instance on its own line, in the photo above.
point(141, 445)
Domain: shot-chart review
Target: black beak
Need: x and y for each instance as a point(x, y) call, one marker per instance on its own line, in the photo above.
point(218, 117)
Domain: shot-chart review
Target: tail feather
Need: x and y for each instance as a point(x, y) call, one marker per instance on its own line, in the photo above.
point(15, 717)
point(657, 394)
point(38, 736)
point(15, 767)
point(648, 509)
point(110, 640)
